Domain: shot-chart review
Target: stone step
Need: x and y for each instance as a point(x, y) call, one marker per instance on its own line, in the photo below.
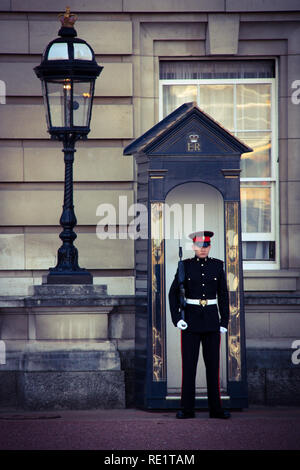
point(61, 290)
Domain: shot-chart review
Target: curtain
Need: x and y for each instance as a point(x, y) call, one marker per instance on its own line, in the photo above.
point(193, 69)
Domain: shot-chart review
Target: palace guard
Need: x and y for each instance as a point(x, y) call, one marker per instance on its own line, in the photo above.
point(206, 315)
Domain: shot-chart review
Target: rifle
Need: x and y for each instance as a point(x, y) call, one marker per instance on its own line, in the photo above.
point(181, 277)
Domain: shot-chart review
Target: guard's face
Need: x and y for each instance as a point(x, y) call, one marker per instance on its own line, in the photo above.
point(201, 251)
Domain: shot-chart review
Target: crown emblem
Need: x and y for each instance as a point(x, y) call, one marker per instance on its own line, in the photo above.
point(193, 138)
point(67, 19)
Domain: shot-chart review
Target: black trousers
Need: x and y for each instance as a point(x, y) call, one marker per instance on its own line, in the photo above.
point(190, 345)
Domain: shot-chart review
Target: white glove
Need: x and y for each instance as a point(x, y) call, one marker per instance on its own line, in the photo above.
point(223, 329)
point(182, 325)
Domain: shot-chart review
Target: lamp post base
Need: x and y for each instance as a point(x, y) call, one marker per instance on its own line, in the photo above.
point(77, 277)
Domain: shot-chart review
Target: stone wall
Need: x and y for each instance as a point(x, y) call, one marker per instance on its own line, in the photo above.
point(271, 324)
point(67, 347)
point(129, 39)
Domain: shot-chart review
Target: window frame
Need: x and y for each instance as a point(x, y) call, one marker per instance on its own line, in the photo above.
point(273, 179)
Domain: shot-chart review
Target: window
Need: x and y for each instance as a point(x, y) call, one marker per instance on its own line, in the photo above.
point(240, 95)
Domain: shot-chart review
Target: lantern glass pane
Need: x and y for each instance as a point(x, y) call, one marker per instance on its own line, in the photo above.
point(59, 98)
point(58, 51)
point(82, 52)
point(46, 103)
point(82, 99)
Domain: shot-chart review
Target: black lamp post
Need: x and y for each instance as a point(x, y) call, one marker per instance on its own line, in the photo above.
point(68, 72)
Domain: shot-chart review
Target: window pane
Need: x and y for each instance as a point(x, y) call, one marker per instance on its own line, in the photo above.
point(176, 95)
point(253, 107)
point(259, 251)
point(256, 207)
point(217, 101)
point(257, 163)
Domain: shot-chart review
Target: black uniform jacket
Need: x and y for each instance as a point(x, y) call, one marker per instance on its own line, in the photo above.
point(204, 279)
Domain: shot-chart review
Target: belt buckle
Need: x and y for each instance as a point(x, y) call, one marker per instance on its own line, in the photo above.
point(203, 302)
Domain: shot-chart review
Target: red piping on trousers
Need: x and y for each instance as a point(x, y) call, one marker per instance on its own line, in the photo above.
point(219, 372)
point(181, 361)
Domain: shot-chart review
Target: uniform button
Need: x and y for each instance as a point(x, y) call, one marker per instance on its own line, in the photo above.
point(203, 284)
point(202, 274)
point(201, 264)
point(203, 295)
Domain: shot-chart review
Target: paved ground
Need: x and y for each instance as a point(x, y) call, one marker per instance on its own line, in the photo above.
point(131, 429)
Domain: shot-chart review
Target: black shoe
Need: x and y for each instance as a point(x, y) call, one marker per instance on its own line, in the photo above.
point(222, 414)
point(185, 414)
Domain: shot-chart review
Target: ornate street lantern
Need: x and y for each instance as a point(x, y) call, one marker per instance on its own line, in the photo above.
point(68, 72)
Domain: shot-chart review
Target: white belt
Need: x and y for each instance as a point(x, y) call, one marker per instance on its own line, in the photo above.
point(202, 302)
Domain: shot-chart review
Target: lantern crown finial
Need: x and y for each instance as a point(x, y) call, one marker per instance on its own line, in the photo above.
point(67, 19)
